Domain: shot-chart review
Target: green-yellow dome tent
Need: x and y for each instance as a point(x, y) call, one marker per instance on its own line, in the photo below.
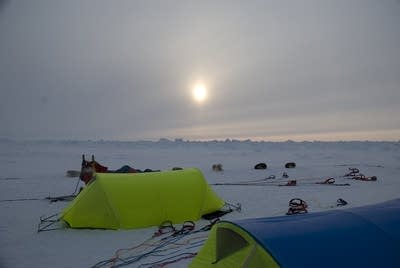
point(125, 201)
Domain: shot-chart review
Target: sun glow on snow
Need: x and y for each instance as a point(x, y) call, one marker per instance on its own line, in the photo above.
point(199, 92)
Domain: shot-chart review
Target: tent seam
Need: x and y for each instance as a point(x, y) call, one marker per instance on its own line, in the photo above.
point(387, 235)
point(258, 241)
point(110, 206)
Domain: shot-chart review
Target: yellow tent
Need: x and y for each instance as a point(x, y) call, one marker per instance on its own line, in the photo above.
point(115, 200)
point(230, 246)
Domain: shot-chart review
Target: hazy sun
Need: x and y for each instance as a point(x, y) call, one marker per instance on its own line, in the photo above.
point(199, 92)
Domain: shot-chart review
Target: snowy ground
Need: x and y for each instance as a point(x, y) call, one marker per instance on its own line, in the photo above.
point(37, 169)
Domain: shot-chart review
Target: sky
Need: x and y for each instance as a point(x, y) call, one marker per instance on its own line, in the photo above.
point(272, 70)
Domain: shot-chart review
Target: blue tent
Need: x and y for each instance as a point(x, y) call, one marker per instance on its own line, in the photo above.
point(366, 236)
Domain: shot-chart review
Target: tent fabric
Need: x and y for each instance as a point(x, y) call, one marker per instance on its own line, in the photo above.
point(230, 246)
point(125, 201)
point(358, 237)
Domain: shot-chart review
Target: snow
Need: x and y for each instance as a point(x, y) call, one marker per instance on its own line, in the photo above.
point(36, 169)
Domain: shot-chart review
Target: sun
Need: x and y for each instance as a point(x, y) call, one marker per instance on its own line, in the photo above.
point(199, 92)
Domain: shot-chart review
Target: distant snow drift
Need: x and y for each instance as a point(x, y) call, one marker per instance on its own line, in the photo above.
point(125, 201)
point(366, 236)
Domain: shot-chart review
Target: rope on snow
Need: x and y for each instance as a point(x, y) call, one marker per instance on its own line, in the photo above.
point(160, 244)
